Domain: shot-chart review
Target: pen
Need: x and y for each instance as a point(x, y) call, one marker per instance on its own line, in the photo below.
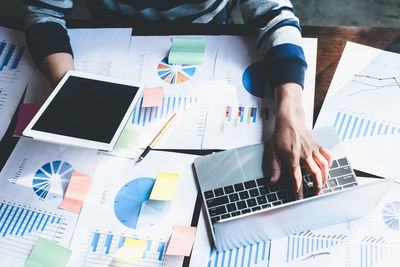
point(156, 138)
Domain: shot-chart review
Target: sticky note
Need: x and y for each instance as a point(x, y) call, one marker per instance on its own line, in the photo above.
point(48, 254)
point(187, 51)
point(153, 97)
point(164, 186)
point(131, 250)
point(181, 241)
point(76, 192)
point(128, 143)
point(25, 114)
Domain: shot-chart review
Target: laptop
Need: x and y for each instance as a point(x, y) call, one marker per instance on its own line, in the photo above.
point(243, 209)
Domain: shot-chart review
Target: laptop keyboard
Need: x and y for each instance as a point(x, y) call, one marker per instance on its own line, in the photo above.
point(253, 195)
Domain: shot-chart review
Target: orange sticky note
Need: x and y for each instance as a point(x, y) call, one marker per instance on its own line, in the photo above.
point(76, 192)
point(181, 241)
point(153, 97)
point(26, 113)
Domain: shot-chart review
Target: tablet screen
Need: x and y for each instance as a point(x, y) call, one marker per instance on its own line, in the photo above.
point(88, 109)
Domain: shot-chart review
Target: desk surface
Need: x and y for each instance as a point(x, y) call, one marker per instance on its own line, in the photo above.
point(331, 42)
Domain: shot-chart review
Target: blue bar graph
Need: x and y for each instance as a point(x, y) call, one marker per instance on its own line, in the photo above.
point(108, 243)
point(95, 241)
point(160, 250)
point(306, 244)
point(244, 256)
point(104, 245)
point(350, 127)
point(19, 221)
point(142, 116)
point(7, 56)
point(375, 250)
point(17, 58)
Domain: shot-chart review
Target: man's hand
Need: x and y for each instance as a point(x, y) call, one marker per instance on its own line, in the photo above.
point(292, 142)
point(55, 66)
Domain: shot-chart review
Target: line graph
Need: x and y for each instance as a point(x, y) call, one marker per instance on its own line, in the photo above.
point(370, 83)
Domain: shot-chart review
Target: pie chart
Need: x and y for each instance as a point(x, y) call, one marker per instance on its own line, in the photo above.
point(175, 73)
point(391, 215)
point(254, 80)
point(128, 201)
point(53, 176)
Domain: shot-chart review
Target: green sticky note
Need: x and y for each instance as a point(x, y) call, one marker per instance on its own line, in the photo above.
point(48, 254)
point(187, 51)
point(127, 144)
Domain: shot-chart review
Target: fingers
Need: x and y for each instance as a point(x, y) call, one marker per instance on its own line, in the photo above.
point(298, 182)
point(323, 165)
point(275, 167)
point(316, 174)
point(327, 155)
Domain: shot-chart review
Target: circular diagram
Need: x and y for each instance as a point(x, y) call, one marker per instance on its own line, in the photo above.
point(128, 202)
point(254, 80)
point(175, 73)
point(391, 215)
point(54, 176)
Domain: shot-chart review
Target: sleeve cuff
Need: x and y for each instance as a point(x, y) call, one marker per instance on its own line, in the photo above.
point(285, 63)
point(44, 39)
point(286, 70)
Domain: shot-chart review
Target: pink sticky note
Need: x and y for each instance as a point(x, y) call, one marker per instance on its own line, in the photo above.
point(181, 241)
point(152, 97)
point(26, 113)
point(76, 192)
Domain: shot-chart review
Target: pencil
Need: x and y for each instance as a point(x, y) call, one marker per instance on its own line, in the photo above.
point(156, 138)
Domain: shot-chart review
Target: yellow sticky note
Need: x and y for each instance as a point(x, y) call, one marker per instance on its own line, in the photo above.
point(76, 192)
point(164, 187)
point(131, 250)
point(181, 241)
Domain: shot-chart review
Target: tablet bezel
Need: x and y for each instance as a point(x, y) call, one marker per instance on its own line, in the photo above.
point(74, 141)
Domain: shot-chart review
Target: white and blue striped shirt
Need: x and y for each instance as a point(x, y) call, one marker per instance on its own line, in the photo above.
point(278, 30)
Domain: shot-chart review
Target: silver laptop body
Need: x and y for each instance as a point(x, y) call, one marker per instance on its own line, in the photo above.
point(243, 209)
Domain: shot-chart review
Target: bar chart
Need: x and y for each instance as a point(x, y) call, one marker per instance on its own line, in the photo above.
point(143, 116)
point(307, 245)
point(102, 246)
point(252, 255)
point(10, 58)
point(374, 250)
point(351, 126)
point(244, 115)
point(21, 226)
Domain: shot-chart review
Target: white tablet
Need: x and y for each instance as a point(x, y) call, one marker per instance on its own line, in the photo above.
point(85, 110)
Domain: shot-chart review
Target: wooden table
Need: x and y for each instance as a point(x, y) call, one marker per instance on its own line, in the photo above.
point(331, 42)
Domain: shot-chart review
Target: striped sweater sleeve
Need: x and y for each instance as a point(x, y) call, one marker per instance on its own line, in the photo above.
point(45, 28)
point(278, 39)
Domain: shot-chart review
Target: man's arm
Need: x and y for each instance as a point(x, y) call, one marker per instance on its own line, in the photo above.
point(47, 37)
point(279, 41)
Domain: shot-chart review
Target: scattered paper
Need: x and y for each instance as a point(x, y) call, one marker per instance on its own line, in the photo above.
point(153, 97)
point(181, 241)
point(187, 51)
point(25, 114)
point(76, 192)
point(164, 187)
point(127, 144)
point(48, 254)
point(131, 250)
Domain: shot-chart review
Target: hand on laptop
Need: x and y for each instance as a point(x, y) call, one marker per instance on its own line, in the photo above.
point(292, 142)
